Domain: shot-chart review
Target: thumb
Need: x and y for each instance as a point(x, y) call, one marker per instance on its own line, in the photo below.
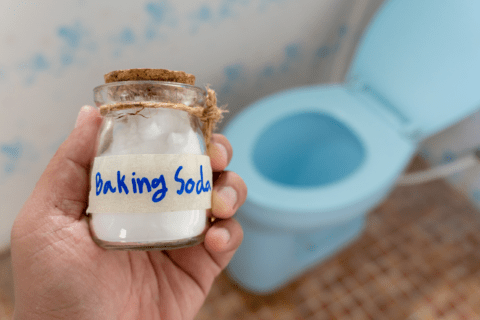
point(63, 187)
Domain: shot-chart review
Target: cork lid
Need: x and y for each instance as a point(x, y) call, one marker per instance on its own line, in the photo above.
point(149, 74)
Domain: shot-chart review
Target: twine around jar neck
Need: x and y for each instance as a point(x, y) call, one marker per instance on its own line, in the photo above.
point(208, 115)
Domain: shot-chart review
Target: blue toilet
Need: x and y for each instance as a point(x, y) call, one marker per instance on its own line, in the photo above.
point(317, 159)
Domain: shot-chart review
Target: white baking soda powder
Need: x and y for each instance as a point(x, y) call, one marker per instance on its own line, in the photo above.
point(161, 131)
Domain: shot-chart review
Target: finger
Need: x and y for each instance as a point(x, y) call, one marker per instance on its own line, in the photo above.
point(221, 152)
point(64, 184)
point(229, 193)
point(222, 240)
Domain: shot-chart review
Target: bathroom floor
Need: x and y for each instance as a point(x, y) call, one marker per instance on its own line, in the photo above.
point(419, 258)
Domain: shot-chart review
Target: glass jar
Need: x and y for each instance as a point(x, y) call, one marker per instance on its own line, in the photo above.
point(151, 179)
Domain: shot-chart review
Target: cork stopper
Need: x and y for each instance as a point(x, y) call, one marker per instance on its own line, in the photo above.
point(150, 74)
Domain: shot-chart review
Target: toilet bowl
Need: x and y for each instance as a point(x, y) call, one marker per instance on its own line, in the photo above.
point(317, 159)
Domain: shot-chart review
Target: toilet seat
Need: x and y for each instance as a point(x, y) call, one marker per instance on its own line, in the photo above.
point(332, 202)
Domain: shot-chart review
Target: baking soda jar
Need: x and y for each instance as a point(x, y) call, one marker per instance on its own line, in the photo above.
point(151, 179)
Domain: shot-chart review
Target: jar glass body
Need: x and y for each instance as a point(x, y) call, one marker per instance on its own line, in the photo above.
point(141, 131)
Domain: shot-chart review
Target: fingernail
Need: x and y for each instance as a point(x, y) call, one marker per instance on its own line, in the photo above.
point(81, 115)
point(228, 195)
point(222, 150)
point(224, 234)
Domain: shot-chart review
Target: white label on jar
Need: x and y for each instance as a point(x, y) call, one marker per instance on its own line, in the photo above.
point(150, 183)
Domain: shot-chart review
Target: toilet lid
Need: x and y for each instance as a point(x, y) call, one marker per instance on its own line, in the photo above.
point(423, 58)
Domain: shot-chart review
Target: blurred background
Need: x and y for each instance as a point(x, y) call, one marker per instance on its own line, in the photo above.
point(419, 255)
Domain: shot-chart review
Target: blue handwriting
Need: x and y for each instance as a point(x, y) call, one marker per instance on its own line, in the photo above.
point(157, 185)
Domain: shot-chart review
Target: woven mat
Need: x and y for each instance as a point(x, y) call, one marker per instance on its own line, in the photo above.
point(419, 258)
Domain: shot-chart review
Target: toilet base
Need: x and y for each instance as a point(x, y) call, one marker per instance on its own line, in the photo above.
point(268, 259)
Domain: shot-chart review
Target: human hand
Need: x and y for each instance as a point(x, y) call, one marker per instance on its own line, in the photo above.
point(60, 273)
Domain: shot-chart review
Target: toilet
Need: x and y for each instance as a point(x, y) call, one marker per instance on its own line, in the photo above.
point(317, 159)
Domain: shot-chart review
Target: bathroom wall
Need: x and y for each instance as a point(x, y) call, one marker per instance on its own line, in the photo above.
point(52, 54)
